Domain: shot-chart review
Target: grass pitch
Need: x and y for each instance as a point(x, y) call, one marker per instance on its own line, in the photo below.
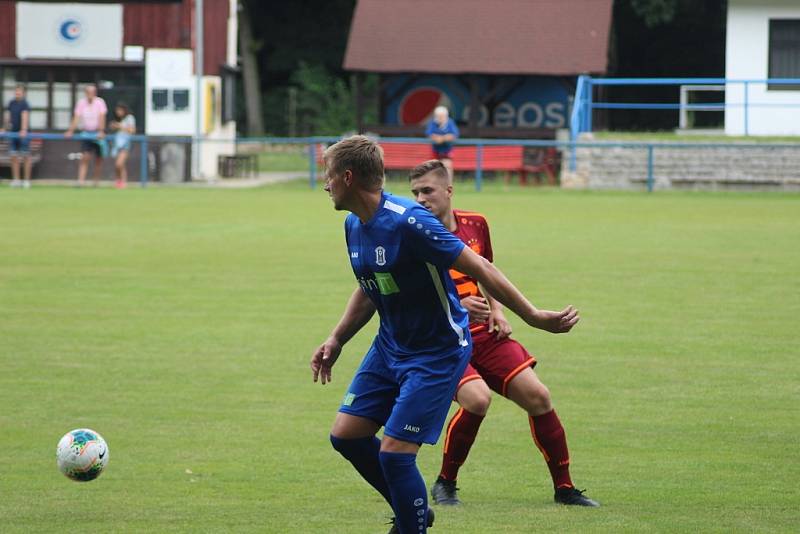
point(179, 324)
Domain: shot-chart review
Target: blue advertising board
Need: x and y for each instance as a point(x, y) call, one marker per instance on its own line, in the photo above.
point(514, 102)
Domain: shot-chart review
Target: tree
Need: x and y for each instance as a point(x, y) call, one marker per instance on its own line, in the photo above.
point(662, 38)
point(655, 12)
point(250, 72)
point(312, 33)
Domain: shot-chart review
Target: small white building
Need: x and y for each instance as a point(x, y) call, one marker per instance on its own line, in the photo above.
point(138, 52)
point(763, 41)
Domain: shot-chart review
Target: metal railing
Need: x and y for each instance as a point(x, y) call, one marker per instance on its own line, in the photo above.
point(313, 146)
point(584, 104)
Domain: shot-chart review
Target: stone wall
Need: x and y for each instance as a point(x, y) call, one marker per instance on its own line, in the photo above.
point(739, 165)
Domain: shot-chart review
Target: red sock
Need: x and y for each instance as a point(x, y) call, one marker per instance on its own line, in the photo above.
point(461, 434)
point(549, 436)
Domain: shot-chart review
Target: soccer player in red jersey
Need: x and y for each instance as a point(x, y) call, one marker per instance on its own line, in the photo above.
point(498, 362)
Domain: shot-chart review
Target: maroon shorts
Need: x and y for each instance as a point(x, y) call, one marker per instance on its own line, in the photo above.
point(441, 155)
point(497, 361)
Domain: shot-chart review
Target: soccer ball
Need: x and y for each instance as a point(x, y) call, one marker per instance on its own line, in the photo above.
point(82, 454)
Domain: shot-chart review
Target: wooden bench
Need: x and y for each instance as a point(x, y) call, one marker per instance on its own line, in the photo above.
point(237, 165)
point(35, 151)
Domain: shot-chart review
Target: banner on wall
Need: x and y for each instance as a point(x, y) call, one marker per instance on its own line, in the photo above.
point(69, 31)
point(532, 102)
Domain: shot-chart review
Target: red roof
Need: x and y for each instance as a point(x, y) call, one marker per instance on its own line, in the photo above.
point(556, 37)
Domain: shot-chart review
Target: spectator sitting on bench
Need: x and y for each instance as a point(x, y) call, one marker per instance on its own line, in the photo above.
point(17, 118)
point(442, 130)
point(90, 114)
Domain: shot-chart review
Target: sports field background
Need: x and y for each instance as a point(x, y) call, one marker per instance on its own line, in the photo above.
point(179, 323)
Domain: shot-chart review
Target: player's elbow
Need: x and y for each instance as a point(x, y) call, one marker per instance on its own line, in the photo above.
point(486, 270)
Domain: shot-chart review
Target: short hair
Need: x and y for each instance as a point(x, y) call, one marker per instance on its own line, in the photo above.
point(360, 154)
point(441, 109)
point(21, 87)
point(432, 165)
point(124, 106)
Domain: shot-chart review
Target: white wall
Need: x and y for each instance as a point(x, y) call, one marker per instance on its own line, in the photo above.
point(174, 69)
point(747, 57)
point(220, 136)
point(169, 69)
point(233, 33)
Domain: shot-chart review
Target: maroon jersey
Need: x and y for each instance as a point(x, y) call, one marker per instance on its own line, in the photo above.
point(473, 230)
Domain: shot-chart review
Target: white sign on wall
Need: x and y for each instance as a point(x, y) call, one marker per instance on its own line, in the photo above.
point(75, 31)
point(170, 86)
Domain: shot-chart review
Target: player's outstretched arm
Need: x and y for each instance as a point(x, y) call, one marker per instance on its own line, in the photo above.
point(503, 290)
point(357, 313)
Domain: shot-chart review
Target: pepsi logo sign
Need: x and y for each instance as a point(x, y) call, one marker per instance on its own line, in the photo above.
point(417, 105)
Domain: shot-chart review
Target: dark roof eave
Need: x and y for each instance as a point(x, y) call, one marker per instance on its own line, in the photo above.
point(480, 73)
point(12, 61)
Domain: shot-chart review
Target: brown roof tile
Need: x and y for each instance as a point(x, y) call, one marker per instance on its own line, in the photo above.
point(559, 37)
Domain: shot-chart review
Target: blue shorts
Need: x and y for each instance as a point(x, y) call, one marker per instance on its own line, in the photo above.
point(118, 146)
point(19, 145)
point(409, 397)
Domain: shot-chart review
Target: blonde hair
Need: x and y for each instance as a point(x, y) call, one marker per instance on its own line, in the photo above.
point(362, 156)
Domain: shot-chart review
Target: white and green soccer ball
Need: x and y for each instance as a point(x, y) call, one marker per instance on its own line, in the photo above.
point(82, 454)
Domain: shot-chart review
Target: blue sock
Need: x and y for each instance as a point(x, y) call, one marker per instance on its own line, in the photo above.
point(409, 495)
point(363, 454)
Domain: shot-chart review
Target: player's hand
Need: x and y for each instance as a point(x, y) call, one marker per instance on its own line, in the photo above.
point(323, 359)
point(68, 134)
point(498, 323)
point(556, 322)
point(101, 134)
point(23, 133)
point(477, 307)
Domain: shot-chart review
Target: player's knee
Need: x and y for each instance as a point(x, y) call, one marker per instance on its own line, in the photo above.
point(339, 445)
point(540, 399)
point(480, 404)
point(350, 448)
point(476, 399)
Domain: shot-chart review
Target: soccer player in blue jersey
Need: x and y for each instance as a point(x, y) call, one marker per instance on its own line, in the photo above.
point(400, 254)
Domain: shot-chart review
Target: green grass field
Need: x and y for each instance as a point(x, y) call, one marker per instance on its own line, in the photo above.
point(179, 323)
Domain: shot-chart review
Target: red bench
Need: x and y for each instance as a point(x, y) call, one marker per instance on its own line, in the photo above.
point(509, 158)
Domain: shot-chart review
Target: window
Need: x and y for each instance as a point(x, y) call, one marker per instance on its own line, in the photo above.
point(62, 105)
point(180, 99)
point(53, 91)
point(160, 99)
point(784, 52)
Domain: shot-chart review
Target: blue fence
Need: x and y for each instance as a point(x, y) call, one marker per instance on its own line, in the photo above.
point(584, 104)
point(315, 144)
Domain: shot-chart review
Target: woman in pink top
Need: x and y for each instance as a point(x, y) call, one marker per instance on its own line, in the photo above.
point(90, 114)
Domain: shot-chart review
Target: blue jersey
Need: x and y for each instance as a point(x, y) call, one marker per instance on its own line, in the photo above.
point(401, 258)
